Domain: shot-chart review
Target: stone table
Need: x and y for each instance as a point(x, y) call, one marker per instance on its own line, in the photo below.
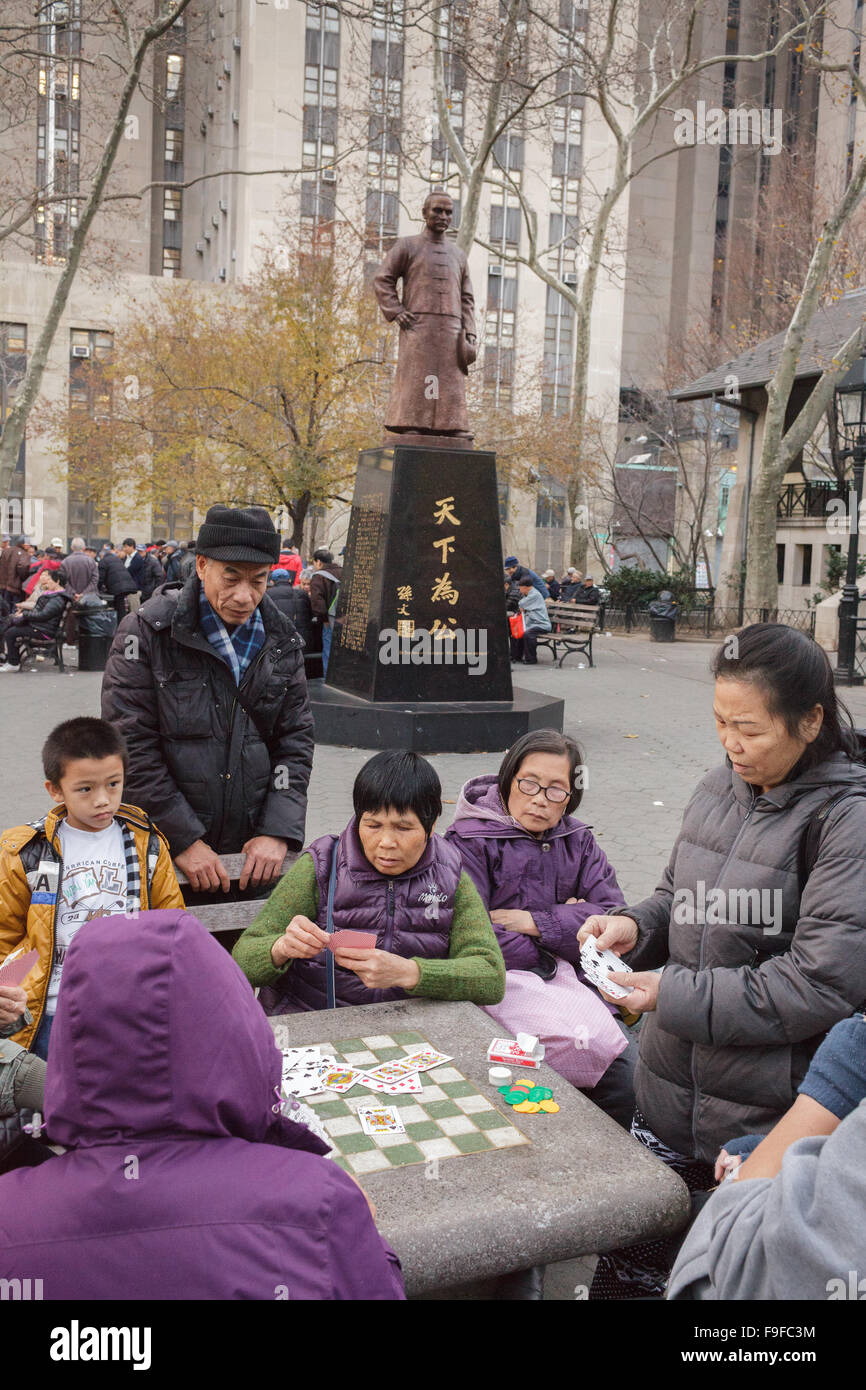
point(582, 1186)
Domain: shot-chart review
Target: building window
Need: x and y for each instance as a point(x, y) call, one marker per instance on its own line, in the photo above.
point(558, 353)
point(13, 365)
point(170, 262)
point(321, 76)
point(88, 512)
point(780, 564)
point(174, 147)
point(171, 204)
point(173, 76)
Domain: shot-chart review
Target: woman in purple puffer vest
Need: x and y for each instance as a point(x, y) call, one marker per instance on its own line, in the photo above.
point(539, 872)
point(389, 875)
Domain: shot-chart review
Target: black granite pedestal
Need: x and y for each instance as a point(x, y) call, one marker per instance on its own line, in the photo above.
point(420, 652)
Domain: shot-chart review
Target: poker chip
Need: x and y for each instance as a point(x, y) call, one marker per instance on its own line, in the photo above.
point(515, 1098)
point(540, 1093)
point(549, 1107)
point(529, 1099)
point(528, 1107)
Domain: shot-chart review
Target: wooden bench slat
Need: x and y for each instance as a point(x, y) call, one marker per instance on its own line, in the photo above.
point(234, 865)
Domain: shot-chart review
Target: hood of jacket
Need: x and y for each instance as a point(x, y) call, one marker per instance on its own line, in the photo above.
point(480, 813)
point(157, 1034)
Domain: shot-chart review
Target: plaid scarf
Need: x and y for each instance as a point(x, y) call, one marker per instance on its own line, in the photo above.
point(133, 873)
point(237, 649)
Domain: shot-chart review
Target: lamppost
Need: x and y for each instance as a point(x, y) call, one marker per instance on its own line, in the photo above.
point(851, 418)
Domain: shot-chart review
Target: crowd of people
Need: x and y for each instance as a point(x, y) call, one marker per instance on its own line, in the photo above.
point(738, 1055)
point(528, 597)
point(127, 575)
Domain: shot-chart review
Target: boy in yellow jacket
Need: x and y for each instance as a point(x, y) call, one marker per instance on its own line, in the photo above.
point(92, 856)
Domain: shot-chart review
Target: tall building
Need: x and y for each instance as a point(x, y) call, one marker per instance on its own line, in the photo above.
point(241, 91)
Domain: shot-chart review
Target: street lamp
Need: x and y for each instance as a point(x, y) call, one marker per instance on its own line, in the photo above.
point(851, 420)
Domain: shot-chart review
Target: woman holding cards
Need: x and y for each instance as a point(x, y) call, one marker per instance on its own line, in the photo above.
point(387, 876)
point(763, 950)
point(541, 874)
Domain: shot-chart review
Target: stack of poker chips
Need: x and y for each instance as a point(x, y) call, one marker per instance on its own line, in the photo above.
point(529, 1099)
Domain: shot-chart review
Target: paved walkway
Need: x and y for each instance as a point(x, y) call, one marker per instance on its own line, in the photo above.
point(643, 716)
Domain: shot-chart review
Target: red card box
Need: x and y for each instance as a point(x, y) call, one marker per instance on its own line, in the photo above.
point(506, 1050)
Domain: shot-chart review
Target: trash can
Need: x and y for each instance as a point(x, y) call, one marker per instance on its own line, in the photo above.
point(97, 623)
point(663, 618)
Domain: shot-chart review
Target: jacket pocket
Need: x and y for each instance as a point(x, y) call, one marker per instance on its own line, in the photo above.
point(186, 707)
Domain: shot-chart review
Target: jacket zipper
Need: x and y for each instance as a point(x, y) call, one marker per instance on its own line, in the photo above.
point(694, 1068)
point(146, 895)
point(389, 927)
point(232, 712)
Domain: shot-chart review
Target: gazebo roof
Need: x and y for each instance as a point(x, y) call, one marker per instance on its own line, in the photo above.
point(829, 328)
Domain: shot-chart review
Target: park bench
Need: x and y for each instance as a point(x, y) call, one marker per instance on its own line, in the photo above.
point(574, 625)
point(51, 645)
point(226, 915)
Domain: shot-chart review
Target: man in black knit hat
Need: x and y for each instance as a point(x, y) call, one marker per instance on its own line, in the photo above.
point(206, 683)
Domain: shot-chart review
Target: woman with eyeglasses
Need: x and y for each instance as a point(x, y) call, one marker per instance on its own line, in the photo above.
point(541, 874)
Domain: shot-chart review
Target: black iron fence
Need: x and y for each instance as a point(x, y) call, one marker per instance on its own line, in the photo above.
point(707, 619)
point(807, 499)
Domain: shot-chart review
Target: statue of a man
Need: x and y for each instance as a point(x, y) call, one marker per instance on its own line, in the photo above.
point(436, 316)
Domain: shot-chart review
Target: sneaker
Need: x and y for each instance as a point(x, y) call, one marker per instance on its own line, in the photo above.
point(7, 667)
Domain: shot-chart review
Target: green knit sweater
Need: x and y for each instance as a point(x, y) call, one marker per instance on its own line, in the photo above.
point(473, 970)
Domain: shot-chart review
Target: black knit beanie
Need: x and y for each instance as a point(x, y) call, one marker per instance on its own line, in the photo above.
point(240, 534)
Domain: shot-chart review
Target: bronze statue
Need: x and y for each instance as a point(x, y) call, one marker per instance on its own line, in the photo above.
point(436, 317)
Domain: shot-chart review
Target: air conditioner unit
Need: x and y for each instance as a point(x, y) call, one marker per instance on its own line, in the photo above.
point(223, 273)
point(329, 175)
point(224, 207)
point(210, 112)
point(219, 84)
point(60, 87)
point(234, 255)
point(214, 220)
point(236, 117)
point(81, 352)
point(236, 44)
point(570, 278)
point(203, 127)
point(494, 270)
point(227, 68)
point(207, 236)
point(199, 246)
point(60, 12)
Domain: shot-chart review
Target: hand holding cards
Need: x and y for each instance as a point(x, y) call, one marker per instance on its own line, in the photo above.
point(598, 966)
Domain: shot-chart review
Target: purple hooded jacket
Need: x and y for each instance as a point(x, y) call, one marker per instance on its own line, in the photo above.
point(511, 868)
point(178, 1182)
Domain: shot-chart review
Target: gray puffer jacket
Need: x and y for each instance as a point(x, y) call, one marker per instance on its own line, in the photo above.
point(751, 984)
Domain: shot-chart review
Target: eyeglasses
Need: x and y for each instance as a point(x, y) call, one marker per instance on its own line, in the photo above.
point(530, 788)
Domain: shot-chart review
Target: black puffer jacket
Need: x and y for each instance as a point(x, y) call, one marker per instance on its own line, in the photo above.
point(114, 577)
point(198, 763)
point(754, 975)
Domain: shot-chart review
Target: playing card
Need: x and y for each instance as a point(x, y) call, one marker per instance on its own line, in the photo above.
point(598, 965)
point(391, 1072)
point(12, 972)
point(302, 1069)
point(352, 941)
point(409, 1085)
point(337, 1078)
point(425, 1058)
point(381, 1119)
